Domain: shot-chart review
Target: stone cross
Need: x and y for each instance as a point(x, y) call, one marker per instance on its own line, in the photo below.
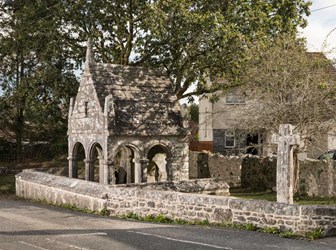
point(285, 164)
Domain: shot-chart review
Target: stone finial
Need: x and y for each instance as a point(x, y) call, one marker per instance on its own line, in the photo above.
point(89, 53)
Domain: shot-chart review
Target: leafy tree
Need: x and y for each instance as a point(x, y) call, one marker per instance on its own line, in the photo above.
point(36, 74)
point(283, 83)
point(192, 40)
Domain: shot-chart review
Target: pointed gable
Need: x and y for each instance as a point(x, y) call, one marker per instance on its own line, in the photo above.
point(143, 99)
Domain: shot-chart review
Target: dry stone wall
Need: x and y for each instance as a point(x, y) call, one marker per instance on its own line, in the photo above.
point(317, 178)
point(207, 165)
point(175, 205)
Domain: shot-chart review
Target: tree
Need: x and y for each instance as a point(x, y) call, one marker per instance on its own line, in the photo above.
point(192, 40)
point(283, 83)
point(36, 75)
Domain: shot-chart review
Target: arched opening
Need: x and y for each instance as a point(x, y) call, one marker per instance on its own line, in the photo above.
point(158, 169)
point(127, 165)
point(96, 163)
point(77, 169)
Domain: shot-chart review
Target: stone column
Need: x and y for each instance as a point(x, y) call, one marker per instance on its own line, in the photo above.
point(169, 169)
point(285, 163)
point(73, 167)
point(137, 170)
point(144, 164)
point(101, 169)
point(128, 168)
point(109, 169)
point(88, 169)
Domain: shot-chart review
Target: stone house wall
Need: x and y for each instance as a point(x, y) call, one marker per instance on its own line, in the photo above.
point(175, 205)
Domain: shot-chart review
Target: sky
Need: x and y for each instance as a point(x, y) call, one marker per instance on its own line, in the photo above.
point(320, 23)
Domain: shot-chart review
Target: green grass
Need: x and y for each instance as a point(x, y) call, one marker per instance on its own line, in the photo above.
point(7, 185)
point(245, 194)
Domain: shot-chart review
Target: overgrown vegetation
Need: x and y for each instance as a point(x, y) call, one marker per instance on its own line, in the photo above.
point(7, 184)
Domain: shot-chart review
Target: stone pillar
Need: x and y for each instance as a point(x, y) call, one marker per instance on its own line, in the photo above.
point(285, 163)
point(88, 169)
point(73, 167)
point(101, 169)
point(109, 169)
point(92, 170)
point(137, 170)
point(169, 169)
point(144, 164)
point(128, 168)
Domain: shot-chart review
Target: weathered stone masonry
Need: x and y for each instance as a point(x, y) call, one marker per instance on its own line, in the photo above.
point(120, 120)
point(193, 207)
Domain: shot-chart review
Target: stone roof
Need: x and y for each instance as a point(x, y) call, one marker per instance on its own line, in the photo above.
point(143, 99)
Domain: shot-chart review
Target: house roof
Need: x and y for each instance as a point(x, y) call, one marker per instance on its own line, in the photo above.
point(143, 99)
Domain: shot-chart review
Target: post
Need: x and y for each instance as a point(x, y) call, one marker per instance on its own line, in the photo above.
point(285, 162)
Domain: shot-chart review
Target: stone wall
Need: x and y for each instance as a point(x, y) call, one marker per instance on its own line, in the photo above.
point(207, 165)
point(36, 185)
point(317, 178)
point(192, 207)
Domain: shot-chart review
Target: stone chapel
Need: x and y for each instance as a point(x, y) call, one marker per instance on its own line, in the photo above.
point(125, 126)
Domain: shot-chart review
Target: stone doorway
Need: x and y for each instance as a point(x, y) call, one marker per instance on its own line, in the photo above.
point(127, 165)
point(96, 162)
point(158, 169)
point(78, 158)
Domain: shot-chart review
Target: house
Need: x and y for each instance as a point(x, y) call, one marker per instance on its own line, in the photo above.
point(126, 125)
point(219, 123)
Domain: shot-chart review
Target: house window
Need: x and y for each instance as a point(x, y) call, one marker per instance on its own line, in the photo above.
point(230, 139)
point(234, 99)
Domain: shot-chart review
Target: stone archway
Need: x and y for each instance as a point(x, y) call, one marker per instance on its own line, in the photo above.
point(127, 167)
point(95, 168)
point(76, 161)
point(158, 164)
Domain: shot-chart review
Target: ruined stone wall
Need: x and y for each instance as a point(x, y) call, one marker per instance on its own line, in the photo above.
point(317, 178)
point(226, 167)
point(192, 207)
point(207, 165)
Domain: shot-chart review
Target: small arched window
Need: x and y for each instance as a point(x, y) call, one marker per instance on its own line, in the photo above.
point(86, 108)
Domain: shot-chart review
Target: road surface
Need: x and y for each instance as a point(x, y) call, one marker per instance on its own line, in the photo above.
point(30, 226)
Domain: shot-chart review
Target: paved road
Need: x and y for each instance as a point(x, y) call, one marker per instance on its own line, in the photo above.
point(31, 226)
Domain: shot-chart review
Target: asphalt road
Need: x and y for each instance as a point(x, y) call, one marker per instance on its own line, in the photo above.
point(30, 226)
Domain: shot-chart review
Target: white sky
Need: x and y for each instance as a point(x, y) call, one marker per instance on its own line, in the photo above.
point(320, 24)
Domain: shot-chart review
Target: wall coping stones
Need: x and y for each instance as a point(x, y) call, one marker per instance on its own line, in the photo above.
point(123, 199)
